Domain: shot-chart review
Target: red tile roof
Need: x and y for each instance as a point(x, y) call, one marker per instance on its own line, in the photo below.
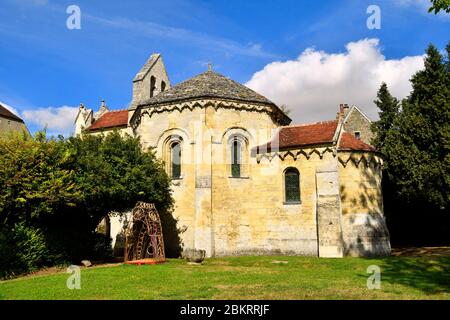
point(313, 134)
point(302, 135)
point(349, 143)
point(111, 119)
point(8, 114)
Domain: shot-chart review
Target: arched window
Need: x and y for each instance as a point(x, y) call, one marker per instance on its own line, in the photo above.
point(152, 86)
point(292, 185)
point(236, 159)
point(176, 160)
point(163, 86)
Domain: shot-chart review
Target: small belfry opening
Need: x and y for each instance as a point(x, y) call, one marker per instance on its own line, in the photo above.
point(152, 86)
point(144, 243)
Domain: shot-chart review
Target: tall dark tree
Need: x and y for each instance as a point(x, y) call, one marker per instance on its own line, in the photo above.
point(389, 109)
point(415, 142)
point(418, 148)
point(382, 129)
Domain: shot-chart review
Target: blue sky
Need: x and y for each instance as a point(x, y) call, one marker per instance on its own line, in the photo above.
point(47, 70)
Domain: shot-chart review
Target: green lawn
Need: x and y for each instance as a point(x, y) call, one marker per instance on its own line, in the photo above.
point(247, 278)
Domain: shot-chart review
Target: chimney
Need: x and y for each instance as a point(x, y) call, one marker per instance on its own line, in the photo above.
point(209, 66)
point(343, 110)
point(102, 110)
point(103, 107)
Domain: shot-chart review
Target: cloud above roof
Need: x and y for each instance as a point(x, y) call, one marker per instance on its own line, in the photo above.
point(314, 84)
point(56, 119)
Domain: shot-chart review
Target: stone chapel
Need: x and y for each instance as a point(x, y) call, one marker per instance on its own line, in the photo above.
point(245, 180)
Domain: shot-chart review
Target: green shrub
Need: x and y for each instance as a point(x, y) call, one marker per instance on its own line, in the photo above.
point(56, 191)
point(23, 250)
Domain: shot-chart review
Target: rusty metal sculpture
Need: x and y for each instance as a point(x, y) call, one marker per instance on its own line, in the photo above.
point(144, 243)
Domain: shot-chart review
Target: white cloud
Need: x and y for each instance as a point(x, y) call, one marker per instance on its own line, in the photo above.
point(7, 106)
point(55, 119)
point(314, 84)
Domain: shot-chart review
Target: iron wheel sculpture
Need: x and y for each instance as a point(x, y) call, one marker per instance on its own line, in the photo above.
point(144, 243)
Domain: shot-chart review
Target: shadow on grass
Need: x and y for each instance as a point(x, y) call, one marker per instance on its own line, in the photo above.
point(430, 275)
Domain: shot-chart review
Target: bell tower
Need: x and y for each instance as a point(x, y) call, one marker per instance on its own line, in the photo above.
point(151, 80)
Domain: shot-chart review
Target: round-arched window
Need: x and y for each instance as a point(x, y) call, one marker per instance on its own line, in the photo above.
point(176, 160)
point(236, 159)
point(292, 185)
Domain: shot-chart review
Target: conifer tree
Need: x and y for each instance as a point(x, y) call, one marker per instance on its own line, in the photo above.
point(418, 148)
point(389, 108)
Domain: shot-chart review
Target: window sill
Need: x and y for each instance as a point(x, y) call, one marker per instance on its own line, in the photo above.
point(177, 181)
point(238, 177)
point(293, 203)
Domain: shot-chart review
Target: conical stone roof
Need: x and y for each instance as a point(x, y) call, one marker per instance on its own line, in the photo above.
point(208, 85)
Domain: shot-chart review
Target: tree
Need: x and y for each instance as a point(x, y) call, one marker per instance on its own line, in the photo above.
point(56, 191)
point(415, 142)
point(389, 110)
point(36, 183)
point(418, 148)
point(113, 173)
point(384, 127)
point(438, 5)
point(35, 179)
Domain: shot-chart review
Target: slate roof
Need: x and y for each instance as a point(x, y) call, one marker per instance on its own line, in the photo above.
point(349, 143)
point(109, 120)
point(208, 85)
point(8, 114)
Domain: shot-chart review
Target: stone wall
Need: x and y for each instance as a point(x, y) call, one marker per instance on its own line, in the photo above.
point(203, 134)
point(329, 225)
point(356, 121)
point(364, 227)
point(8, 125)
point(122, 131)
point(252, 217)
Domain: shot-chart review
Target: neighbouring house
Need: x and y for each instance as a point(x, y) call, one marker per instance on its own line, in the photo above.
point(356, 123)
point(247, 181)
point(9, 122)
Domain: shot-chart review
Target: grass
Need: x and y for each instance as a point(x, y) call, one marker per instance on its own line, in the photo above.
point(247, 278)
